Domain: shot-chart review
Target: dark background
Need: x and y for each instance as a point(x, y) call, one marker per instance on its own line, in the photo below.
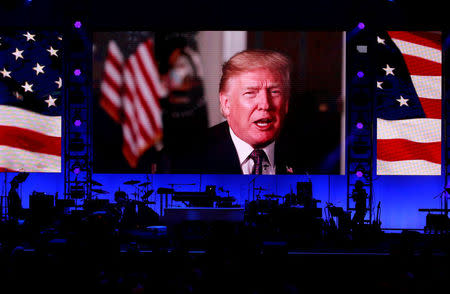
point(312, 130)
point(203, 14)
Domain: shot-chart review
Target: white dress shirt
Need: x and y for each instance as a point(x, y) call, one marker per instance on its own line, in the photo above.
point(244, 150)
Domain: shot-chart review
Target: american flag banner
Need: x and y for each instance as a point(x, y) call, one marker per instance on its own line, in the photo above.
point(131, 90)
point(409, 103)
point(30, 101)
point(112, 83)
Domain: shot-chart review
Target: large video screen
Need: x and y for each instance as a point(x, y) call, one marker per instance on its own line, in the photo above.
point(219, 102)
point(409, 103)
point(31, 96)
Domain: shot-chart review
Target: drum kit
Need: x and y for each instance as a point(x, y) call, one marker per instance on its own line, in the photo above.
point(266, 202)
point(272, 196)
point(141, 189)
point(97, 191)
point(142, 193)
point(266, 196)
point(137, 210)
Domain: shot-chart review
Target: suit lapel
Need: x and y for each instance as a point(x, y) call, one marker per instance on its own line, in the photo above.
point(222, 155)
point(283, 165)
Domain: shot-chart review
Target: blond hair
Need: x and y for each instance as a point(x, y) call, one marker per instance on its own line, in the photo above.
point(251, 59)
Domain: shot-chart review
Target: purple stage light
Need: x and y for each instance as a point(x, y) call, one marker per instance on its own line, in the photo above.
point(77, 122)
point(360, 74)
point(359, 174)
point(77, 170)
point(77, 72)
point(361, 25)
point(359, 125)
point(77, 24)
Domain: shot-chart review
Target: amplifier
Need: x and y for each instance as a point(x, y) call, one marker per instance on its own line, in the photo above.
point(41, 202)
point(96, 204)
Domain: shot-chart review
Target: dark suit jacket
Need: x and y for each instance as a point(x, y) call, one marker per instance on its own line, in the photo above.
point(214, 154)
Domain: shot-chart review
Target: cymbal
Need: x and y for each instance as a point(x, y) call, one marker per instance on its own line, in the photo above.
point(260, 189)
point(95, 183)
point(132, 182)
point(100, 191)
point(144, 184)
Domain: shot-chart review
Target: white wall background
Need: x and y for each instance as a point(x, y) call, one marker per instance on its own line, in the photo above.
point(216, 47)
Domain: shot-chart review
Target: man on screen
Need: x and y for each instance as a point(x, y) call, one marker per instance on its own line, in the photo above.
point(254, 95)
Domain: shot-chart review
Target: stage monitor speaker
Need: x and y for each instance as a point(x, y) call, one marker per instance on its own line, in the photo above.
point(41, 202)
point(42, 208)
point(437, 221)
point(96, 204)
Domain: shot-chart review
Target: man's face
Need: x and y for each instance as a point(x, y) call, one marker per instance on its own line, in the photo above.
point(255, 104)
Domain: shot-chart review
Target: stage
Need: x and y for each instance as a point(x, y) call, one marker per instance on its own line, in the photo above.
point(405, 262)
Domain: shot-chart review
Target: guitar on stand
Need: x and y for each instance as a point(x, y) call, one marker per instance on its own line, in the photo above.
point(377, 222)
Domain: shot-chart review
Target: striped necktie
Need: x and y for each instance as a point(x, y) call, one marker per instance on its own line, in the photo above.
point(258, 156)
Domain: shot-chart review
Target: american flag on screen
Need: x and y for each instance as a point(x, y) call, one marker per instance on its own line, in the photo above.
point(30, 101)
point(130, 93)
point(409, 71)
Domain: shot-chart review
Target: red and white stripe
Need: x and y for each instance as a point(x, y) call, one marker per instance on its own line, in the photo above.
point(29, 141)
point(413, 146)
point(131, 91)
point(111, 85)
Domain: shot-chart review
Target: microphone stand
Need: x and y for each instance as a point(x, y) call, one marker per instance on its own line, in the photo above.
point(253, 188)
point(444, 200)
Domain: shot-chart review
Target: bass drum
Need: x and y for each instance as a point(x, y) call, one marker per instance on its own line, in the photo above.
point(290, 199)
point(120, 196)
